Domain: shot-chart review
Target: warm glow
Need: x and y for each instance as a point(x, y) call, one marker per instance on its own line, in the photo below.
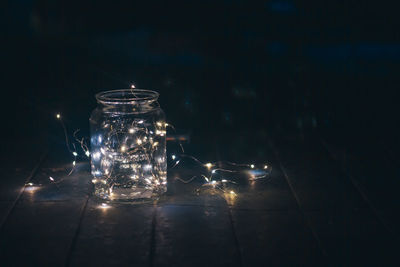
point(104, 206)
point(32, 188)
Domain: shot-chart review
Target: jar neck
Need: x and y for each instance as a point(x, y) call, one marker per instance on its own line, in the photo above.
point(129, 107)
point(128, 100)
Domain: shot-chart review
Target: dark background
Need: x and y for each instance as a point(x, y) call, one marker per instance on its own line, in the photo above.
point(318, 78)
point(221, 65)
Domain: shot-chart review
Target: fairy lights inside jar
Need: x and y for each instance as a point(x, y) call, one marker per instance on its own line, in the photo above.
point(128, 145)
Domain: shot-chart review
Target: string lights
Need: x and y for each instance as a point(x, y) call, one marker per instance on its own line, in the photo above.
point(128, 145)
point(130, 152)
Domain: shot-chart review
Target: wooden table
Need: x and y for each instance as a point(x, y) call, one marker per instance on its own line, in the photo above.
point(317, 207)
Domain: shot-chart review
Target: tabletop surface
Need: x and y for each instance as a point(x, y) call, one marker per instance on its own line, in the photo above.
point(319, 205)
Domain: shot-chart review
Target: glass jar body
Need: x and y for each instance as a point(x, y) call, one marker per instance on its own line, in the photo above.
point(128, 150)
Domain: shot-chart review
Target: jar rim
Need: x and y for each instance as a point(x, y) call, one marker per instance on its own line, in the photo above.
point(126, 96)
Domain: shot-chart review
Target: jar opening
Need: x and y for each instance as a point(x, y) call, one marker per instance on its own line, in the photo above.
point(127, 96)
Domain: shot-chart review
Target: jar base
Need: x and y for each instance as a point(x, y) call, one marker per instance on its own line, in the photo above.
point(126, 194)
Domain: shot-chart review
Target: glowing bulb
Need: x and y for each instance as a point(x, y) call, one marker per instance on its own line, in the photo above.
point(161, 133)
point(232, 193)
point(132, 86)
point(94, 181)
point(213, 182)
point(173, 157)
point(166, 124)
point(30, 184)
point(74, 163)
point(213, 171)
point(209, 165)
point(123, 148)
point(138, 141)
point(252, 166)
point(58, 116)
point(51, 179)
point(140, 122)
point(265, 167)
point(131, 130)
point(155, 144)
point(74, 153)
point(87, 153)
point(96, 155)
point(147, 167)
point(224, 181)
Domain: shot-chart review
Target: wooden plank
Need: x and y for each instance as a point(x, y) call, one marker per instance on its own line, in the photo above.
point(194, 236)
point(277, 238)
point(39, 233)
point(180, 193)
point(269, 193)
point(270, 228)
point(316, 179)
point(332, 205)
point(118, 234)
point(374, 175)
point(4, 209)
point(77, 185)
point(354, 238)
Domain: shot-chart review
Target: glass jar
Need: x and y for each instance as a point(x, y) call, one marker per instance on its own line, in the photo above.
point(128, 145)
